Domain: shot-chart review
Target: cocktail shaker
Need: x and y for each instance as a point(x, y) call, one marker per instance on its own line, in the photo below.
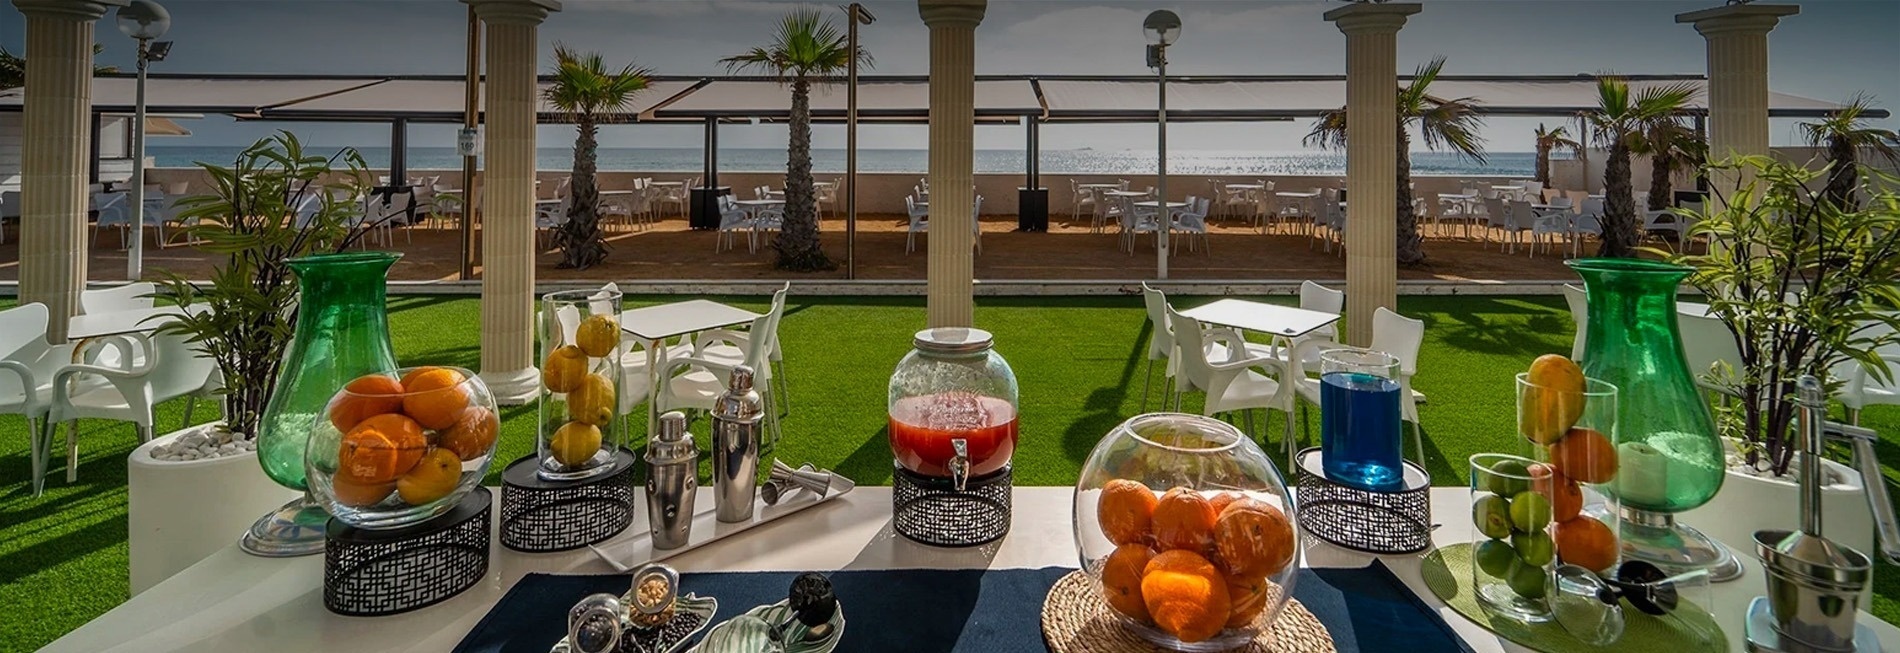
point(737, 420)
point(672, 481)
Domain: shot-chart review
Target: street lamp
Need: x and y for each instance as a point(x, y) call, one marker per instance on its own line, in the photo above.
point(1161, 27)
point(859, 16)
point(144, 20)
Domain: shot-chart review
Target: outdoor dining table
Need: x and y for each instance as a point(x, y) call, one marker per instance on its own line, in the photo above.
point(232, 601)
point(1273, 319)
point(1098, 186)
point(657, 324)
point(1171, 205)
point(1246, 187)
point(1126, 193)
point(1297, 194)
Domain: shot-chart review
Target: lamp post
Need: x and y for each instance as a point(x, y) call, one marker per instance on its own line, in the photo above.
point(1162, 27)
point(859, 16)
point(144, 20)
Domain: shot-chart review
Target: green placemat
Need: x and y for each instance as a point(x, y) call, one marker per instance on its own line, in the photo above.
point(1447, 572)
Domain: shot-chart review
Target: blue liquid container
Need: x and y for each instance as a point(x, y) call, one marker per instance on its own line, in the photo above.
point(1360, 431)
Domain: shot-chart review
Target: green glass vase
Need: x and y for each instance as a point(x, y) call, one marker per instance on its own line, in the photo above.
point(342, 333)
point(1669, 456)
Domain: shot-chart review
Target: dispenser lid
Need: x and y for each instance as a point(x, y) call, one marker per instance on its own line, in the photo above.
point(952, 340)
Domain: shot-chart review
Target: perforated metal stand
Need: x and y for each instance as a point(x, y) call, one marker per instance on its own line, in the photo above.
point(375, 573)
point(1397, 521)
point(930, 509)
point(539, 516)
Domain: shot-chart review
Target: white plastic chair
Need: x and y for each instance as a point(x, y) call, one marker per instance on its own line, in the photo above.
point(1554, 222)
point(27, 366)
point(1580, 314)
point(1193, 222)
point(1394, 334)
point(733, 219)
point(1080, 198)
point(112, 212)
point(1133, 223)
point(1589, 220)
point(696, 382)
point(1235, 382)
point(1706, 341)
point(1863, 389)
point(173, 368)
point(729, 346)
point(976, 225)
point(128, 297)
point(919, 223)
point(1314, 297)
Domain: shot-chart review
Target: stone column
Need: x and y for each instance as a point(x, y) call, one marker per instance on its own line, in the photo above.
point(1372, 167)
point(57, 127)
point(1737, 38)
point(508, 357)
point(952, 151)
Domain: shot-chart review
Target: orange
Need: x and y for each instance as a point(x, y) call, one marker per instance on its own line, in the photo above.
point(1554, 400)
point(1566, 497)
point(435, 397)
point(1121, 580)
point(1585, 455)
point(433, 478)
point(359, 495)
point(597, 335)
point(1126, 511)
point(380, 449)
point(1186, 595)
point(593, 402)
point(1585, 542)
point(1183, 520)
point(574, 443)
point(564, 368)
point(1254, 538)
point(472, 434)
point(1247, 598)
point(1224, 499)
point(366, 396)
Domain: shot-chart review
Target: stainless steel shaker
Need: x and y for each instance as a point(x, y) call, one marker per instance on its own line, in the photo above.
point(672, 481)
point(737, 421)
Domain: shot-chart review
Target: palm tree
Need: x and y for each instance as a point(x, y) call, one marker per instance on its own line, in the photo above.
point(1843, 134)
point(806, 46)
point(1441, 122)
point(1671, 146)
point(13, 68)
point(1620, 120)
point(1547, 141)
point(589, 94)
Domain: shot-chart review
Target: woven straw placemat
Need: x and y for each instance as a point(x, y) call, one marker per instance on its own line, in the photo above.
point(1075, 620)
point(1447, 572)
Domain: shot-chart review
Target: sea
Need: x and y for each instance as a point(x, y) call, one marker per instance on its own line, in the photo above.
point(1055, 162)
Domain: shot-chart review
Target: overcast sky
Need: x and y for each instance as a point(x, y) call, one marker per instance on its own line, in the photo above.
point(1831, 50)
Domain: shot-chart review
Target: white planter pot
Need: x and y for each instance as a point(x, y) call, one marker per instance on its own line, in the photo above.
point(180, 512)
point(1749, 503)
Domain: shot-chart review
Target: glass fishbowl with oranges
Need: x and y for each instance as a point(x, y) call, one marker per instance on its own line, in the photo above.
point(397, 449)
point(1189, 531)
point(580, 385)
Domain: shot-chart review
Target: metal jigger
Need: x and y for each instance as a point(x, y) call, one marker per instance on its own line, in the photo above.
point(786, 480)
point(1814, 583)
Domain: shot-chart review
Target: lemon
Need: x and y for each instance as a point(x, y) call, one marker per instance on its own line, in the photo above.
point(597, 335)
point(564, 368)
point(593, 402)
point(574, 443)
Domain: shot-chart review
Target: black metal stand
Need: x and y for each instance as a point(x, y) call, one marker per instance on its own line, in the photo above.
point(703, 206)
point(539, 516)
point(1032, 209)
point(1397, 521)
point(930, 509)
point(374, 573)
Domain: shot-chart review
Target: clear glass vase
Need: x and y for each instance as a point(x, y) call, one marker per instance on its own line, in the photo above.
point(580, 429)
point(1670, 455)
point(400, 448)
point(342, 333)
point(1360, 419)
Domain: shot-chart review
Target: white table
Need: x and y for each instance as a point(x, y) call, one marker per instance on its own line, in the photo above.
point(1098, 186)
point(656, 324)
point(1150, 204)
point(114, 323)
point(664, 184)
point(1272, 319)
point(1126, 193)
point(1246, 187)
point(232, 601)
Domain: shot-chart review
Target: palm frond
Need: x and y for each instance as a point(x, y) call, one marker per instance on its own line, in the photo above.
point(1329, 130)
point(583, 86)
point(1844, 125)
point(805, 44)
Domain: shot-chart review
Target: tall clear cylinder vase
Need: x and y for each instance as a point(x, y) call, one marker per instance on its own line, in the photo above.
point(342, 333)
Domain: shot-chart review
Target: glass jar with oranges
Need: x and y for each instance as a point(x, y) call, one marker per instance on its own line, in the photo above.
point(580, 384)
point(1189, 530)
point(397, 449)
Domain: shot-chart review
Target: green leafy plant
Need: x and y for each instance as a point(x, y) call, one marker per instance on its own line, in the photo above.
point(806, 47)
point(1621, 119)
point(273, 203)
point(590, 94)
point(1550, 140)
point(1804, 285)
point(1443, 123)
point(13, 68)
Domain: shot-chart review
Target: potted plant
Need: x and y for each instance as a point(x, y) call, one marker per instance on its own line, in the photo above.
point(273, 203)
point(1806, 286)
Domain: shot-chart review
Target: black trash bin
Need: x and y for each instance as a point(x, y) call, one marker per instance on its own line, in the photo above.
point(1032, 209)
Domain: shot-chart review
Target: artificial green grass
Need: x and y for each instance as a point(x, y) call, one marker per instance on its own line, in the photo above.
point(1079, 362)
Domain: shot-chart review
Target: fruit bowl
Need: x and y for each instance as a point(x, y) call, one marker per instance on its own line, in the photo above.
point(1188, 530)
point(397, 449)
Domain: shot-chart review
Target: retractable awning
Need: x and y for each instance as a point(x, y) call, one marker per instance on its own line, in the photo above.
point(430, 100)
point(879, 100)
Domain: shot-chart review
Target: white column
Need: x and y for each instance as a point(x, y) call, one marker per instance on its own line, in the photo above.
point(1737, 38)
point(1372, 167)
point(57, 127)
point(508, 156)
point(952, 150)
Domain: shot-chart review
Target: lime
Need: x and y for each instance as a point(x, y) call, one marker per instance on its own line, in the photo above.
point(1508, 477)
point(1527, 580)
point(1530, 512)
point(1492, 515)
point(1495, 557)
point(1534, 549)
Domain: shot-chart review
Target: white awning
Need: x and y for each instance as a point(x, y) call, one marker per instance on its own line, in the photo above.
point(877, 101)
point(440, 100)
point(240, 96)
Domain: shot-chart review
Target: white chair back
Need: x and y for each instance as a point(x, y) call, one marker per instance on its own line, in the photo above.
point(1315, 297)
point(23, 340)
point(177, 366)
point(1705, 341)
point(1399, 336)
point(129, 297)
point(1161, 339)
point(1580, 314)
point(1190, 351)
